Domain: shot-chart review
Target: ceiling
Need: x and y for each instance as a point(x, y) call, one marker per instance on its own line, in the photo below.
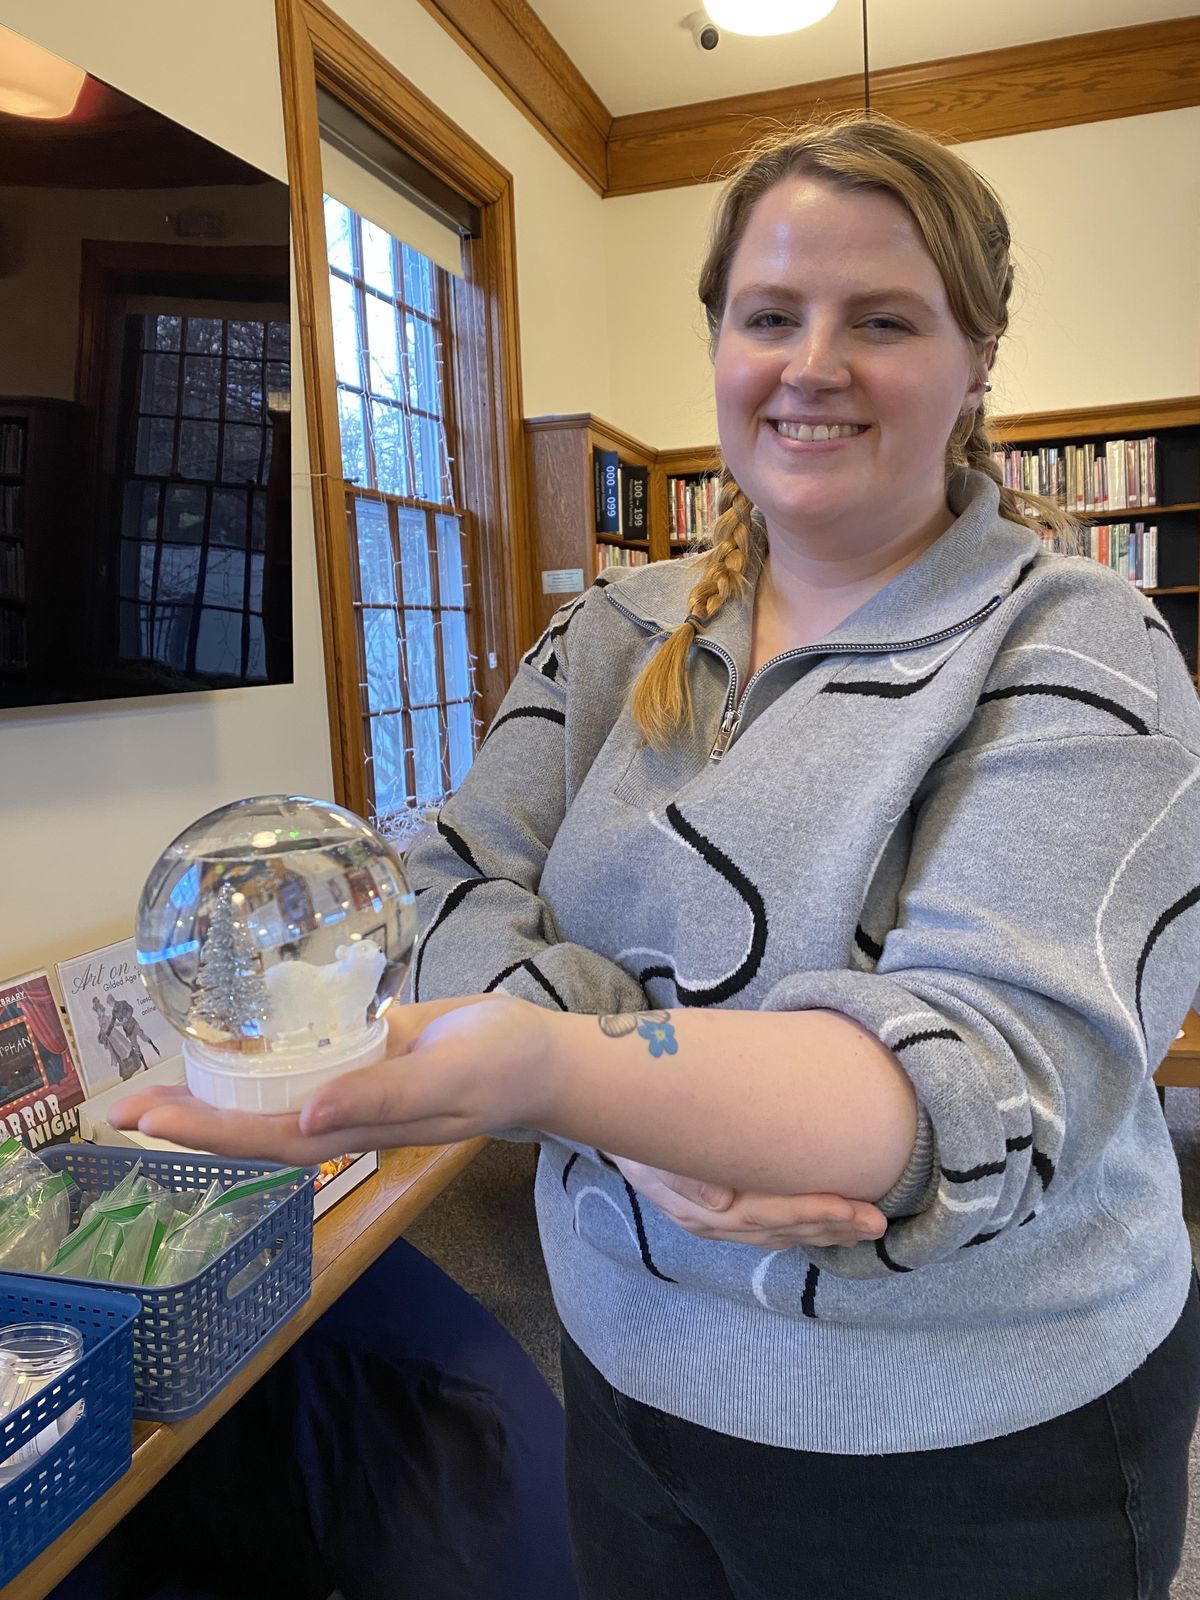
point(638, 56)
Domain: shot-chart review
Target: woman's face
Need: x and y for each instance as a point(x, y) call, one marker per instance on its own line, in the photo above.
point(840, 370)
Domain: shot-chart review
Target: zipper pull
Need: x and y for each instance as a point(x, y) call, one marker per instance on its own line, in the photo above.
point(725, 737)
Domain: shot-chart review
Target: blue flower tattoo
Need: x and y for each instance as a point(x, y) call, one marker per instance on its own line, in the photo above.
point(660, 1036)
point(655, 1027)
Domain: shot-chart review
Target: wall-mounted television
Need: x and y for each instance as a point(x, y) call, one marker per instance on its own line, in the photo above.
point(145, 456)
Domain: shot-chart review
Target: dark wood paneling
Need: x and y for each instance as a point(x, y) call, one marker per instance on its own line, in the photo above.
point(1122, 72)
point(513, 46)
point(1138, 416)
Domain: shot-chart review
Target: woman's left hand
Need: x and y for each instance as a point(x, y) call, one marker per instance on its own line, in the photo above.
point(454, 1069)
point(770, 1221)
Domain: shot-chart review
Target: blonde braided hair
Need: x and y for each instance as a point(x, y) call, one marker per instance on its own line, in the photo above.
point(964, 229)
point(662, 695)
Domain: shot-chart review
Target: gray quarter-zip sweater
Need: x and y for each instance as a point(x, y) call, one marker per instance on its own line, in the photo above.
point(968, 818)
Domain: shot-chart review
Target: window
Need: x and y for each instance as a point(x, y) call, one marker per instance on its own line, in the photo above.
point(404, 514)
point(209, 392)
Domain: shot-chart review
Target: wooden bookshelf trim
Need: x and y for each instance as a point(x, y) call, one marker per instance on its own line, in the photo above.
point(1141, 416)
point(509, 41)
point(317, 48)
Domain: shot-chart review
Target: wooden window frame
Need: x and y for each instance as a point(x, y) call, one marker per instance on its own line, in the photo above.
point(316, 48)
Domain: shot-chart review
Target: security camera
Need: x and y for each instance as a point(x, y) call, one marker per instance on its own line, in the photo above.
point(704, 31)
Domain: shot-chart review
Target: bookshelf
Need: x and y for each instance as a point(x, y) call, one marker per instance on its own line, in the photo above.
point(37, 449)
point(569, 548)
point(1174, 425)
point(560, 454)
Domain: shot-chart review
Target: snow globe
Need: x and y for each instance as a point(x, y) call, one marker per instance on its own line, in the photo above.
point(273, 934)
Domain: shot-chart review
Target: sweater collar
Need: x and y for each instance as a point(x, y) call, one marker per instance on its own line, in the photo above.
point(980, 556)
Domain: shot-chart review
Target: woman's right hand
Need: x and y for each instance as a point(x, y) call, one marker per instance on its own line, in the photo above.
point(769, 1221)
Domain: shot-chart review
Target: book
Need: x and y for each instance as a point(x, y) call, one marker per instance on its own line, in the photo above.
point(635, 495)
point(335, 1179)
point(606, 466)
point(40, 1086)
point(118, 1029)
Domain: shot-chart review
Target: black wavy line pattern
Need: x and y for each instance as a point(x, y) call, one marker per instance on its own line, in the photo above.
point(1159, 627)
point(892, 1266)
point(1063, 691)
point(1170, 915)
point(450, 904)
point(989, 1169)
point(546, 713)
point(882, 690)
point(808, 1298)
point(716, 993)
point(635, 1211)
point(866, 944)
point(458, 844)
point(543, 983)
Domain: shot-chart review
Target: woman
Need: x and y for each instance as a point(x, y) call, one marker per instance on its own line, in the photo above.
point(850, 870)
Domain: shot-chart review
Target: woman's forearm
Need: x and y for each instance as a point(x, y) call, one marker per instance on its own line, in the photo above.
point(777, 1102)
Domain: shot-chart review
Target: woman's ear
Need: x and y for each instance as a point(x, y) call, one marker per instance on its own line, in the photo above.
point(981, 366)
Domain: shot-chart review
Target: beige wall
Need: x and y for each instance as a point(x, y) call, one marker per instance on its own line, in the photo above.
point(1106, 221)
point(89, 795)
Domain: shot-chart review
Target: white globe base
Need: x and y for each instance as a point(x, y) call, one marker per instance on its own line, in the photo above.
point(279, 1082)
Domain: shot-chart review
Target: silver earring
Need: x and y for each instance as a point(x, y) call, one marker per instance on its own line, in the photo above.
point(987, 388)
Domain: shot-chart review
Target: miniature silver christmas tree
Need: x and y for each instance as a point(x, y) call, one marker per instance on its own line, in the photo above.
point(230, 992)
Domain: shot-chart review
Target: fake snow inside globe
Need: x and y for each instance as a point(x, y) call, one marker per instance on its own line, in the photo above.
point(274, 934)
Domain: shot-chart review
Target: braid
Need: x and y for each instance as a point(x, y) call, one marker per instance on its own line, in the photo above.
point(662, 695)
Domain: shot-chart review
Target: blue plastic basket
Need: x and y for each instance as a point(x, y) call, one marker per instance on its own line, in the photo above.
point(191, 1337)
point(94, 1452)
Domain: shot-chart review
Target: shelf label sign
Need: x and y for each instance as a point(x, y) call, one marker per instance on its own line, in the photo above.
point(562, 580)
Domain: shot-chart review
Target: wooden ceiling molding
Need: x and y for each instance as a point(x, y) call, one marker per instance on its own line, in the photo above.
point(1052, 83)
point(1092, 77)
point(520, 55)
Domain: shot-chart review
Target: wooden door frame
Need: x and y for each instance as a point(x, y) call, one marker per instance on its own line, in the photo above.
point(317, 48)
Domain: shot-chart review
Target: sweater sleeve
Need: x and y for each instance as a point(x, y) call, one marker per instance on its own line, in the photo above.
point(1044, 954)
point(481, 923)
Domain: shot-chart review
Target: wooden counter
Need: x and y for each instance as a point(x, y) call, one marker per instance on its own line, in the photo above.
point(346, 1240)
point(1181, 1069)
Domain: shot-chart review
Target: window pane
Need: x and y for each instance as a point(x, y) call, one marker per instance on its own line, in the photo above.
point(387, 752)
point(450, 561)
point(354, 460)
point(414, 558)
point(225, 578)
point(337, 235)
point(155, 446)
point(178, 572)
point(377, 258)
point(256, 583)
point(219, 643)
point(455, 661)
point(203, 334)
point(418, 279)
point(243, 391)
point(255, 670)
point(198, 449)
point(384, 376)
point(427, 754)
point(246, 340)
point(201, 387)
point(343, 303)
point(381, 651)
point(168, 332)
point(141, 510)
point(462, 742)
point(137, 570)
point(423, 387)
point(422, 660)
point(242, 454)
point(429, 460)
point(279, 341)
point(391, 463)
point(227, 521)
point(183, 514)
point(376, 569)
point(160, 383)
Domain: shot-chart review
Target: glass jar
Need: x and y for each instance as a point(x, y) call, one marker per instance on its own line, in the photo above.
point(32, 1355)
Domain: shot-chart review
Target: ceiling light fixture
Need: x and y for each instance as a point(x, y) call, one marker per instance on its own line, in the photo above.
point(34, 82)
point(762, 17)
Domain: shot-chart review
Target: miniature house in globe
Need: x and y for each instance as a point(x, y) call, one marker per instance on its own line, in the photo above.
point(273, 934)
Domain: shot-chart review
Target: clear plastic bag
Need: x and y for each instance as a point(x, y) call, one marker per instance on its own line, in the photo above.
point(188, 1248)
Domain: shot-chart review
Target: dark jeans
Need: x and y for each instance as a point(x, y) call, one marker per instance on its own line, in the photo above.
point(1088, 1506)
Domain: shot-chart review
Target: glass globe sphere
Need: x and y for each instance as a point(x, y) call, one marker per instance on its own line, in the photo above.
point(273, 934)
